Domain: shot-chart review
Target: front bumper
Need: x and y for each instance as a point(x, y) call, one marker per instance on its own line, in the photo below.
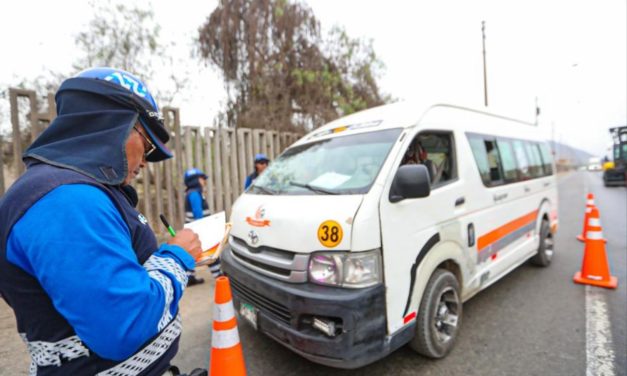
point(285, 311)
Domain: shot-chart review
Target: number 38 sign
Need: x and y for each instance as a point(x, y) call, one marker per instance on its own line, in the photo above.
point(330, 234)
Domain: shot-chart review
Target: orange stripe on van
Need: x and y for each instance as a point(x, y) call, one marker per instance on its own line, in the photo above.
point(508, 228)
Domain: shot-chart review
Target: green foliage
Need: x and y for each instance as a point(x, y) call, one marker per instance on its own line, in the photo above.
point(280, 72)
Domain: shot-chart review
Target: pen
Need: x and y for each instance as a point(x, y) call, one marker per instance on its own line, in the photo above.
point(167, 225)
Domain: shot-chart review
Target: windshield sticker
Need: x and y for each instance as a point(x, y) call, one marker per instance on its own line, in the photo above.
point(259, 218)
point(330, 180)
point(330, 234)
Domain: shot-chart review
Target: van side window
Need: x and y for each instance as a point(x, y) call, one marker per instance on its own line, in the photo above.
point(547, 160)
point(435, 151)
point(508, 159)
point(494, 161)
point(481, 157)
point(521, 158)
point(488, 159)
point(536, 162)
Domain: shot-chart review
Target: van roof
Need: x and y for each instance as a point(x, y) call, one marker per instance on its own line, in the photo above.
point(408, 114)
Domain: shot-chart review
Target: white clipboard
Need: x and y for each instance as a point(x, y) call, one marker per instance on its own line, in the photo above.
point(213, 233)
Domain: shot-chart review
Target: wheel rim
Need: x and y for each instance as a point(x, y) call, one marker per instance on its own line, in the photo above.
point(446, 315)
point(548, 244)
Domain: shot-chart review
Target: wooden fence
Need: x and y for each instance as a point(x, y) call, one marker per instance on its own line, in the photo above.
point(225, 155)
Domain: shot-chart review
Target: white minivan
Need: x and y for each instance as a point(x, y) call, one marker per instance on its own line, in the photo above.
point(371, 231)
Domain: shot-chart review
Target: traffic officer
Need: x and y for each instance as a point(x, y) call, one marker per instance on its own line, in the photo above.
point(92, 291)
point(196, 207)
point(261, 162)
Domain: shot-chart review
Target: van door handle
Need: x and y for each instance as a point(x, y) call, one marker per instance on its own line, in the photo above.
point(499, 197)
point(527, 189)
point(460, 201)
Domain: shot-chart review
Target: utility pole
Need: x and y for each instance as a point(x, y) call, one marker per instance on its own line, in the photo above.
point(485, 71)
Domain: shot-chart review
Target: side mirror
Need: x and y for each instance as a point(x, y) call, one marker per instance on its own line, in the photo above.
point(410, 181)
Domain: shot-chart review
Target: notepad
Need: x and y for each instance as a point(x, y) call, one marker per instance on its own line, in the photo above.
point(213, 233)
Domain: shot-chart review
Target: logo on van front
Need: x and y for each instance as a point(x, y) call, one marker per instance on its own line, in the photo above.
point(253, 237)
point(258, 220)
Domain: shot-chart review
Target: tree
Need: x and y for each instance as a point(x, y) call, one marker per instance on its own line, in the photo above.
point(119, 36)
point(127, 37)
point(279, 72)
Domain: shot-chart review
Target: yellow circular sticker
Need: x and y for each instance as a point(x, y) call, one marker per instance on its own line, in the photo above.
point(330, 234)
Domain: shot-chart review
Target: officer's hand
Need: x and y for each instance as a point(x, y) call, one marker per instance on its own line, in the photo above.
point(188, 240)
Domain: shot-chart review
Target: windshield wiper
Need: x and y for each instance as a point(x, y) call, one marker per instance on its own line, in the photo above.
point(264, 190)
point(313, 188)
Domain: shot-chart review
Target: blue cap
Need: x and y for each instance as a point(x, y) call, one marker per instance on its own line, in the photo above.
point(141, 100)
point(192, 172)
point(261, 158)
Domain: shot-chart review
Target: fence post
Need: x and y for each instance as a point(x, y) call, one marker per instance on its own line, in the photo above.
point(209, 169)
point(188, 147)
point(241, 150)
point(52, 107)
point(147, 195)
point(17, 134)
point(158, 194)
point(173, 123)
point(199, 149)
point(250, 152)
point(218, 168)
point(34, 118)
point(235, 183)
point(35, 128)
point(224, 140)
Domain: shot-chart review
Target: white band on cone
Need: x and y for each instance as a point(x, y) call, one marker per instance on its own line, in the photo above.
point(590, 202)
point(589, 209)
point(596, 222)
point(224, 339)
point(594, 235)
point(223, 312)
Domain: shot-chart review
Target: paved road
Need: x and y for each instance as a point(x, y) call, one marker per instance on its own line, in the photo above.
point(532, 322)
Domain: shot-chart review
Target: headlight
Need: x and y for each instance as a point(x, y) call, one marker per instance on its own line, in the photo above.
point(346, 269)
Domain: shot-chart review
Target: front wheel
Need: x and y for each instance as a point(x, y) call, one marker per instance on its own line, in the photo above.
point(440, 316)
point(545, 249)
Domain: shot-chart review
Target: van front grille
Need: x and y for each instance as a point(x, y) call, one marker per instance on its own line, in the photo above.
point(272, 262)
point(258, 301)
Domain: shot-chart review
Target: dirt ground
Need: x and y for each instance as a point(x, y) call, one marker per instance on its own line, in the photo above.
point(195, 342)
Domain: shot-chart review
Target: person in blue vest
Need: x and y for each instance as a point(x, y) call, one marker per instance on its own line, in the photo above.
point(91, 290)
point(261, 162)
point(196, 207)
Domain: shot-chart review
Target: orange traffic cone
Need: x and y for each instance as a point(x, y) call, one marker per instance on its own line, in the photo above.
point(595, 270)
point(226, 351)
point(589, 204)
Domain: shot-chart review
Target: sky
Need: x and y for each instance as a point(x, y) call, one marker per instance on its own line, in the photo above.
point(570, 55)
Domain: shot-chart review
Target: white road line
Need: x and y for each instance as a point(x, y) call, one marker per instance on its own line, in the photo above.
point(599, 350)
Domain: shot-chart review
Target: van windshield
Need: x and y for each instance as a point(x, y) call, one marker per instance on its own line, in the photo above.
point(340, 165)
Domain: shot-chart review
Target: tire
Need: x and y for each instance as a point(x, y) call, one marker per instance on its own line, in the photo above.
point(440, 316)
point(545, 249)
